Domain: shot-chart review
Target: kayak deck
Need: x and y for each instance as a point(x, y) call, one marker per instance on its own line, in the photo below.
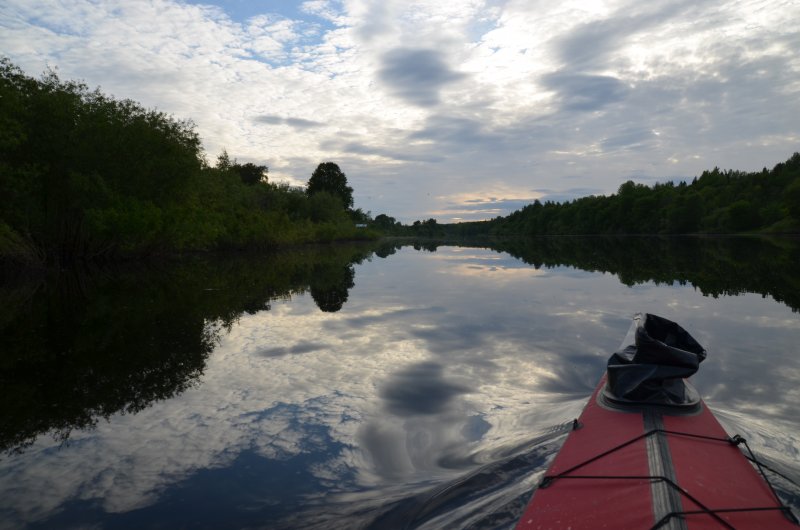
point(605, 475)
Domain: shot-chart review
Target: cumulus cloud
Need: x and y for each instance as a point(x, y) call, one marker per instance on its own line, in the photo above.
point(416, 75)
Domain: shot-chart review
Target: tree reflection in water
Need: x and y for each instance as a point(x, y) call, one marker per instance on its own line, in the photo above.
point(81, 347)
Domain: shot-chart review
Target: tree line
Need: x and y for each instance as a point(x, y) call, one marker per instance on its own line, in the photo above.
point(716, 202)
point(85, 176)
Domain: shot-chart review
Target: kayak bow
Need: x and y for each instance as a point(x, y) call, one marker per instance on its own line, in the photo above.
point(646, 452)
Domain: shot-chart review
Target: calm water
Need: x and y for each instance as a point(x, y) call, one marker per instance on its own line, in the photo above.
point(391, 387)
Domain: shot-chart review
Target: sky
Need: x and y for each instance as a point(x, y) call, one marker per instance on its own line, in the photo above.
point(457, 110)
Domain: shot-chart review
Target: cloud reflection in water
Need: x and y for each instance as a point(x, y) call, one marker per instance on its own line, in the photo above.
point(436, 365)
point(420, 389)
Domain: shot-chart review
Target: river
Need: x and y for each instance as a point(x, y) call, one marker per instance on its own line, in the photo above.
point(369, 386)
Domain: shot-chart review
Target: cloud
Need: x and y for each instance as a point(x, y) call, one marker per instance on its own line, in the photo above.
point(453, 131)
point(376, 21)
point(593, 45)
point(629, 138)
point(581, 92)
point(296, 123)
point(568, 194)
point(416, 75)
point(480, 209)
point(480, 204)
point(409, 151)
point(589, 45)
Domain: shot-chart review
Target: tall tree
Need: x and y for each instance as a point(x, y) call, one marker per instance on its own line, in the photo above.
point(329, 178)
point(250, 173)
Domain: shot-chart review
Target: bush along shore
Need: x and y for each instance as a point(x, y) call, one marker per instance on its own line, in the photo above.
point(87, 177)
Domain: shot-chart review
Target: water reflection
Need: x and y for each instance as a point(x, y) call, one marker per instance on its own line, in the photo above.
point(420, 389)
point(72, 356)
point(79, 347)
point(330, 285)
point(715, 266)
point(433, 395)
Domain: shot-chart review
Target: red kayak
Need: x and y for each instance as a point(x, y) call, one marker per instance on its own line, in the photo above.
point(647, 453)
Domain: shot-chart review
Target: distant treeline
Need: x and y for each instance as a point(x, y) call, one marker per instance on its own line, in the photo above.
point(717, 202)
point(85, 176)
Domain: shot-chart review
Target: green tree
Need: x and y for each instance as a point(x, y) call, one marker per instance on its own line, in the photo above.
point(75, 161)
point(685, 213)
point(428, 228)
point(224, 161)
point(742, 215)
point(384, 222)
point(250, 173)
point(325, 207)
point(359, 216)
point(792, 199)
point(328, 177)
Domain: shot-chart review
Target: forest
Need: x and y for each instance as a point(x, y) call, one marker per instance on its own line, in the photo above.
point(716, 202)
point(87, 177)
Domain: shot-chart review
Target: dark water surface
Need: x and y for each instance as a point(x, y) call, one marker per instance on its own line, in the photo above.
point(347, 387)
